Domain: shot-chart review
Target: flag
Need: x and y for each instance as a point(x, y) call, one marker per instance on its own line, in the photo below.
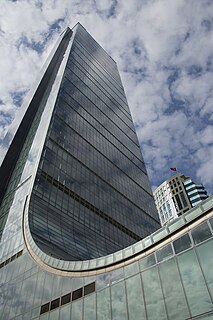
point(173, 169)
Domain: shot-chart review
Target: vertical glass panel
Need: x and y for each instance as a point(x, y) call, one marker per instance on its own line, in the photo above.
point(102, 281)
point(76, 312)
point(164, 253)
point(201, 233)
point(103, 305)
point(153, 295)
point(131, 269)
point(193, 281)
point(65, 312)
point(35, 312)
point(54, 315)
point(118, 298)
point(135, 298)
point(173, 291)
point(117, 275)
point(39, 288)
point(48, 284)
point(147, 262)
point(66, 285)
point(90, 307)
point(182, 243)
point(205, 255)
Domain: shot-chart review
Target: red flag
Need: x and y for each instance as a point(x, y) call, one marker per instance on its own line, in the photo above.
point(173, 169)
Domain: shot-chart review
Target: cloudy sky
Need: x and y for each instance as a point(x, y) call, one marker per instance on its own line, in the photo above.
point(164, 51)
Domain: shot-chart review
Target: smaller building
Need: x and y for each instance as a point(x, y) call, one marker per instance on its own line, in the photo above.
point(177, 195)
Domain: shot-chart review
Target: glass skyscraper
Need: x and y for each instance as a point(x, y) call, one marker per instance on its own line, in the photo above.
point(90, 191)
point(75, 202)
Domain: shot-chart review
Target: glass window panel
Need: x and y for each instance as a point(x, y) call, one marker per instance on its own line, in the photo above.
point(65, 312)
point(54, 304)
point(90, 307)
point(164, 253)
point(103, 305)
point(76, 311)
point(201, 233)
point(48, 284)
point(35, 312)
point(153, 295)
point(39, 288)
point(205, 255)
point(131, 269)
point(44, 316)
point(117, 275)
point(89, 288)
point(173, 291)
point(102, 281)
point(182, 243)
point(147, 262)
point(118, 298)
point(65, 299)
point(77, 294)
point(193, 281)
point(45, 308)
point(135, 298)
point(54, 315)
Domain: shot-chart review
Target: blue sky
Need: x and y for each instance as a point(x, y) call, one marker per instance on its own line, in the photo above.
point(164, 51)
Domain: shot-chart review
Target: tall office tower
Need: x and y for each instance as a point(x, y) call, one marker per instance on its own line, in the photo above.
point(90, 192)
point(177, 195)
point(68, 183)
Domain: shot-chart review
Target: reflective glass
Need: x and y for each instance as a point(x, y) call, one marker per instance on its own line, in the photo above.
point(194, 284)
point(173, 291)
point(65, 312)
point(147, 261)
point(153, 295)
point(205, 255)
point(91, 188)
point(164, 253)
point(201, 233)
point(103, 305)
point(118, 298)
point(54, 315)
point(44, 316)
point(135, 299)
point(35, 312)
point(90, 307)
point(131, 269)
point(76, 310)
point(182, 243)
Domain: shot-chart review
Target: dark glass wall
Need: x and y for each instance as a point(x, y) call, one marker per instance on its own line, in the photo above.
point(92, 194)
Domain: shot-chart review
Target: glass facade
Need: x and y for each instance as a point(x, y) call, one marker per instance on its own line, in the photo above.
point(78, 202)
point(91, 194)
point(166, 280)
